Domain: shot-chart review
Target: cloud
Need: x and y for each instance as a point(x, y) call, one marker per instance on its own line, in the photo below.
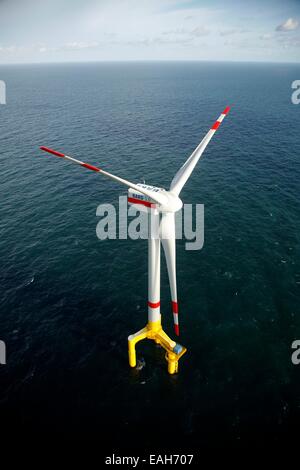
point(12, 49)
point(265, 37)
point(157, 41)
point(288, 42)
point(289, 25)
point(230, 32)
point(78, 46)
point(42, 48)
point(200, 31)
point(183, 35)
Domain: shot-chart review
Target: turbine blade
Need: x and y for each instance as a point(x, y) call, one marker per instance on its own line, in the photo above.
point(159, 198)
point(168, 239)
point(185, 171)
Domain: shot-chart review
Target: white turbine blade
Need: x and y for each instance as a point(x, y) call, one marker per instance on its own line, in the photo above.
point(185, 171)
point(168, 239)
point(159, 198)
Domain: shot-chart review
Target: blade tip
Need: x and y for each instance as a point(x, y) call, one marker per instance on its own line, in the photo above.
point(54, 152)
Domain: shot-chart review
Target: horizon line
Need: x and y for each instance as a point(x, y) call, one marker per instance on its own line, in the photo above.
point(99, 61)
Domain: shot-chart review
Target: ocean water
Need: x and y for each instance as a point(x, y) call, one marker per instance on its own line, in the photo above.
point(69, 300)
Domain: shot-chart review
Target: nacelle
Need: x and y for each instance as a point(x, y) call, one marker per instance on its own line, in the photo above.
point(135, 197)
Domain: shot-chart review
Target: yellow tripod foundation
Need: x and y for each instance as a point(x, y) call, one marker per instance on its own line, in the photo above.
point(154, 331)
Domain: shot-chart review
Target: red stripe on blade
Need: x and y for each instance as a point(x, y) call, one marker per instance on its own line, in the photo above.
point(153, 304)
point(133, 200)
point(176, 328)
point(216, 125)
point(226, 110)
point(54, 152)
point(90, 167)
point(175, 307)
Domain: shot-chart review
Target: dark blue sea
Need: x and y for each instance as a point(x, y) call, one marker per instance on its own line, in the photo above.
point(68, 301)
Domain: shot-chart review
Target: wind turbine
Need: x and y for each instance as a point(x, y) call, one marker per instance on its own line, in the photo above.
point(161, 206)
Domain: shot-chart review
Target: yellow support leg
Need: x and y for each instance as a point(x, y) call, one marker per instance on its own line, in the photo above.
point(154, 331)
point(132, 340)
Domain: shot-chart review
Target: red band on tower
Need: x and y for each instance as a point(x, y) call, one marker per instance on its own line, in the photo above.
point(153, 304)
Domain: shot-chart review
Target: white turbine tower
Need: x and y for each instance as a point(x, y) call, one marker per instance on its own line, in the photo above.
point(161, 205)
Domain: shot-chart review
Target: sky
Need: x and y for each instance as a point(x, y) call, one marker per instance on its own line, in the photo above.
point(97, 30)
